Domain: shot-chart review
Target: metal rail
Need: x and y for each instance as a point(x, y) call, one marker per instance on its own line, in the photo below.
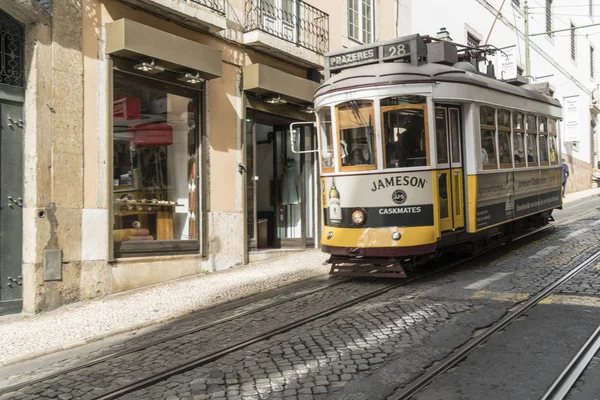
point(567, 379)
point(213, 356)
point(146, 382)
point(428, 377)
point(144, 346)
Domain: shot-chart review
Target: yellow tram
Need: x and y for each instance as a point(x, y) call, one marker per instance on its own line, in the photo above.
point(420, 154)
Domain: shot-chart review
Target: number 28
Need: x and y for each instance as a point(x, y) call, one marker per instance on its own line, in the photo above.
point(398, 50)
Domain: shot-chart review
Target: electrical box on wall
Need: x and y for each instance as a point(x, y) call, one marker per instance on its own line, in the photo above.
point(52, 265)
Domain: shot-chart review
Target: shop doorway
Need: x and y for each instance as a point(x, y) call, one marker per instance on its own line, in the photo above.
point(12, 95)
point(281, 184)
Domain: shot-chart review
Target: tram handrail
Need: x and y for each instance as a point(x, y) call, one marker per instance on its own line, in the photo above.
point(293, 139)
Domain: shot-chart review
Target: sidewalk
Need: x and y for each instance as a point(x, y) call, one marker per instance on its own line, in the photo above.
point(24, 337)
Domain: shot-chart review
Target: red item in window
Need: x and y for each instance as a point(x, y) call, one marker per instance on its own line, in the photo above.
point(152, 134)
point(126, 107)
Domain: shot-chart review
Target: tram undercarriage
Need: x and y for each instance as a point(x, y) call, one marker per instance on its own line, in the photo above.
point(353, 262)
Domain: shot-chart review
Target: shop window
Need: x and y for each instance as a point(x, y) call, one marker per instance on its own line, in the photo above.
point(441, 135)
point(518, 129)
point(531, 138)
point(155, 144)
point(487, 120)
point(356, 134)
point(326, 139)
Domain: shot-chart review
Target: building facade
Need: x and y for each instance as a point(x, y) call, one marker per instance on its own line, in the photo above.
point(148, 140)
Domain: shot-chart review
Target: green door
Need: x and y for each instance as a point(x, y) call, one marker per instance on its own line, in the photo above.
point(11, 207)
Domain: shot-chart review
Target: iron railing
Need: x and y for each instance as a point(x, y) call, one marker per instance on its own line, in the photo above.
point(217, 6)
point(12, 45)
point(292, 20)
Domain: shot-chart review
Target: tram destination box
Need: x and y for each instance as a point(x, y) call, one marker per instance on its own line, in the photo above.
point(410, 49)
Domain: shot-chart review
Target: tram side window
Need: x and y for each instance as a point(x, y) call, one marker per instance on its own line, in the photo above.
point(355, 122)
point(518, 124)
point(543, 140)
point(543, 149)
point(404, 135)
point(326, 138)
point(441, 135)
point(488, 137)
point(504, 147)
point(532, 149)
point(552, 141)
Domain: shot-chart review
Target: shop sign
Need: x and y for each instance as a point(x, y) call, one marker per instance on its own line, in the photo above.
point(152, 135)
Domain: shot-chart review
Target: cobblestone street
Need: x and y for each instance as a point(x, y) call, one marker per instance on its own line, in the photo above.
point(366, 351)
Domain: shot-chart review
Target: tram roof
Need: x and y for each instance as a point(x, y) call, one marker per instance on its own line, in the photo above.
point(396, 73)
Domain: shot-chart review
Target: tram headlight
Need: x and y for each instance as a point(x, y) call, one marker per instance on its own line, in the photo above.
point(358, 217)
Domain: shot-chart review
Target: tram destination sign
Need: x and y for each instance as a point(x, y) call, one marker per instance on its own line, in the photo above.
point(355, 57)
point(411, 48)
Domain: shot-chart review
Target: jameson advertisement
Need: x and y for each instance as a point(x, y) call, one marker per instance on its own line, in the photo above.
point(505, 196)
point(395, 199)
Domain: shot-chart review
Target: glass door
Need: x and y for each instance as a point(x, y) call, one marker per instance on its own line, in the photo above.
point(297, 178)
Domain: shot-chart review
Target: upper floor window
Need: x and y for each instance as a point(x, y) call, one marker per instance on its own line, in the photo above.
point(573, 43)
point(360, 20)
point(592, 55)
point(472, 40)
point(549, 17)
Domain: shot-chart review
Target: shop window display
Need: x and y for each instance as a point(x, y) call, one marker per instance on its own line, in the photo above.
point(155, 131)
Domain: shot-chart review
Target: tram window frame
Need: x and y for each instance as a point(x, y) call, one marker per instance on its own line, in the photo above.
point(485, 127)
point(423, 140)
point(504, 130)
point(326, 130)
point(543, 137)
point(553, 141)
point(533, 133)
point(371, 115)
point(442, 152)
point(518, 128)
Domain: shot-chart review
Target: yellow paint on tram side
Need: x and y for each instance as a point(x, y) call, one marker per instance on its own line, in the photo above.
point(472, 202)
point(378, 237)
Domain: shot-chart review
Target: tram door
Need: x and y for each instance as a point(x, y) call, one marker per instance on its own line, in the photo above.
point(450, 168)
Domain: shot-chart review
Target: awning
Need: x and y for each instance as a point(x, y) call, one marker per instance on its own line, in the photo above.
point(262, 79)
point(133, 40)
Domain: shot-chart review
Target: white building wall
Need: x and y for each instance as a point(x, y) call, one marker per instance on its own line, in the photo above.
point(550, 57)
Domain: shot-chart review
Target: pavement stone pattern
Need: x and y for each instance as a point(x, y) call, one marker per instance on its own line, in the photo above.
point(178, 351)
point(310, 362)
point(23, 336)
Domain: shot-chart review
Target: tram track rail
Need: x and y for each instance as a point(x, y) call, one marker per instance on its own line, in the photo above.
point(424, 380)
point(561, 387)
point(209, 357)
point(199, 362)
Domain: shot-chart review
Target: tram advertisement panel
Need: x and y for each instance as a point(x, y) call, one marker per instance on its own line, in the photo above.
point(395, 199)
point(504, 196)
point(495, 199)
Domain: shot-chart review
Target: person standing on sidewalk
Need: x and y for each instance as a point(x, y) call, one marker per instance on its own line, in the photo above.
point(565, 175)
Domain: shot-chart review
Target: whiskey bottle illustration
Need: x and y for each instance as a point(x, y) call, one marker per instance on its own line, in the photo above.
point(335, 208)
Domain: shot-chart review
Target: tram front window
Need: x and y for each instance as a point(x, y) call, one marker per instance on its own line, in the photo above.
point(355, 122)
point(404, 135)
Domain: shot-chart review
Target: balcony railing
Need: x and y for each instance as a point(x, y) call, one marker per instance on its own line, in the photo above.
point(292, 20)
point(217, 6)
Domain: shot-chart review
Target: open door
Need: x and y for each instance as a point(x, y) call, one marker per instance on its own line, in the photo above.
point(450, 172)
